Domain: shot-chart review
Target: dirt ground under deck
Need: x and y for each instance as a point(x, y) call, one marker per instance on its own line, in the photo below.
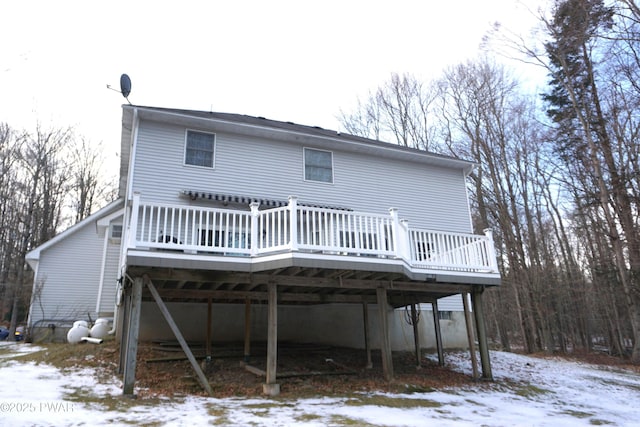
point(303, 370)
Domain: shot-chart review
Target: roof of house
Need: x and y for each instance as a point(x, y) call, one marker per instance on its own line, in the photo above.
point(295, 128)
point(287, 126)
point(33, 256)
point(261, 127)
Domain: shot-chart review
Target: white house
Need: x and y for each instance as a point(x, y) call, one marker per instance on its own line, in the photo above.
point(230, 227)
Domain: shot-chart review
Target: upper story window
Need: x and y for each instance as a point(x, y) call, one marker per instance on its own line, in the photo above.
point(318, 165)
point(200, 149)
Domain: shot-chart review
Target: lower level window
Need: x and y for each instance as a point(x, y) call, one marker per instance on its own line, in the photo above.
point(445, 315)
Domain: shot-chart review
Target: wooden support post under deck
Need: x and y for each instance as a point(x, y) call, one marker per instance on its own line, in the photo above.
point(124, 314)
point(436, 325)
point(247, 330)
point(470, 336)
point(416, 334)
point(270, 387)
point(478, 311)
point(385, 342)
point(367, 341)
point(131, 352)
point(174, 328)
point(209, 331)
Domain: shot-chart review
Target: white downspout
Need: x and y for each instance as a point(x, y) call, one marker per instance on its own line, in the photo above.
point(116, 308)
point(104, 264)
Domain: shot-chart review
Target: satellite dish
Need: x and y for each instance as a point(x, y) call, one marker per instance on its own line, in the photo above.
point(125, 86)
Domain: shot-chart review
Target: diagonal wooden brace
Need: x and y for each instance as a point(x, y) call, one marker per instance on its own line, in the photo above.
point(187, 351)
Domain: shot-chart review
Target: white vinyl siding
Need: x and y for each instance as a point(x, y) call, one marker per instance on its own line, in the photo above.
point(69, 272)
point(427, 196)
point(318, 165)
point(199, 149)
point(451, 303)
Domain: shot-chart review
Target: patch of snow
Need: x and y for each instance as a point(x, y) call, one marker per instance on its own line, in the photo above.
point(526, 391)
point(10, 349)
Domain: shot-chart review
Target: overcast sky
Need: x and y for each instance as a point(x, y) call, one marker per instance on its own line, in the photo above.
point(299, 61)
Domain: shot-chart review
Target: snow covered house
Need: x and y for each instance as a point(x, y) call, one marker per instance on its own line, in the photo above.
point(230, 227)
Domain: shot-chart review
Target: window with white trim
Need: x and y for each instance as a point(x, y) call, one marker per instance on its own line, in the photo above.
point(115, 231)
point(199, 149)
point(318, 165)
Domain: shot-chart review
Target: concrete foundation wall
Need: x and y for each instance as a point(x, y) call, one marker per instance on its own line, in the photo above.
point(332, 324)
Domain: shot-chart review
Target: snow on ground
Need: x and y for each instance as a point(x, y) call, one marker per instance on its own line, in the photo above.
point(527, 392)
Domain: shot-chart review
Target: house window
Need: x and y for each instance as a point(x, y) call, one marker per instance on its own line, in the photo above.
point(445, 315)
point(318, 165)
point(200, 149)
point(116, 231)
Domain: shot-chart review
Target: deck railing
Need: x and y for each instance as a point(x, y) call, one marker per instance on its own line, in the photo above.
point(452, 250)
point(306, 229)
point(344, 232)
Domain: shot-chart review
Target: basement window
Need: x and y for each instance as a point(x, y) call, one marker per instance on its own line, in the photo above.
point(445, 315)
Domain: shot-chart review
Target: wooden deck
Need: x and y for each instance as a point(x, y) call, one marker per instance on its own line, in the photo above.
point(317, 246)
point(299, 255)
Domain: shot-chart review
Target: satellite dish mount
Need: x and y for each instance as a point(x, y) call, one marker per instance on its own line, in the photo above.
point(125, 87)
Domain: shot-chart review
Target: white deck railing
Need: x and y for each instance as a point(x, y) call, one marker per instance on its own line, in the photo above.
point(306, 229)
point(344, 232)
point(434, 249)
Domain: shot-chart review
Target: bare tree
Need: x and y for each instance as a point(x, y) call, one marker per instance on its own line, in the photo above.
point(585, 103)
point(10, 145)
point(39, 201)
point(89, 186)
point(487, 119)
point(42, 173)
point(399, 111)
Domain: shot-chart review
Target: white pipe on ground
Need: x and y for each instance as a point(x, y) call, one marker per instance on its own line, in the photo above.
point(92, 340)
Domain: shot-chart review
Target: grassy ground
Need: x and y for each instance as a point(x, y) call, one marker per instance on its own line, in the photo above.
point(166, 383)
point(305, 370)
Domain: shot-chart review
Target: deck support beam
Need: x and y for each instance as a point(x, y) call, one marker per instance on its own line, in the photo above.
point(209, 331)
point(131, 339)
point(125, 312)
point(385, 342)
point(470, 336)
point(416, 335)
point(270, 387)
point(367, 340)
point(478, 311)
point(247, 330)
point(174, 328)
point(438, 331)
